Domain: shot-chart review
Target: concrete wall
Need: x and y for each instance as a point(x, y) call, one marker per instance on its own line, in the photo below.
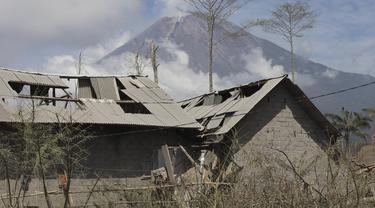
point(279, 122)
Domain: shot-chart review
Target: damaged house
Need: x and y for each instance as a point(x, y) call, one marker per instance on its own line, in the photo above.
point(130, 117)
point(271, 118)
point(138, 128)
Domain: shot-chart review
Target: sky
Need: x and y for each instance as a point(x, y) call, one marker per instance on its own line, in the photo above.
point(35, 34)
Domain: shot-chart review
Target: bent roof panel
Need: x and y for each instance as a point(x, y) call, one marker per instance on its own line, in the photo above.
point(164, 111)
point(235, 109)
point(32, 78)
point(5, 89)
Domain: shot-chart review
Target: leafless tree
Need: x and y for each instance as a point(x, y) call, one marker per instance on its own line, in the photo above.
point(290, 20)
point(39, 145)
point(139, 62)
point(155, 65)
point(72, 150)
point(213, 12)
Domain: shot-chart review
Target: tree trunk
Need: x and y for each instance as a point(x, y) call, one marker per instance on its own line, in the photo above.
point(346, 143)
point(292, 61)
point(8, 181)
point(211, 24)
point(154, 63)
point(66, 191)
point(69, 170)
point(45, 190)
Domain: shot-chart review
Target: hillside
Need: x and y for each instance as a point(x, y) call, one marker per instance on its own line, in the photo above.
point(231, 55)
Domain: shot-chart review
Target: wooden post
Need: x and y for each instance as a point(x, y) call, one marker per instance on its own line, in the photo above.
point(168, 163)
point(54, 95)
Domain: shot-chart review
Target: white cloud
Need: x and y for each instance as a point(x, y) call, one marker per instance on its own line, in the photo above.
point(330, 73)
point(34, 29)
point(92, 54)
point(56, 19)
point(304, 80)
point(259, 66)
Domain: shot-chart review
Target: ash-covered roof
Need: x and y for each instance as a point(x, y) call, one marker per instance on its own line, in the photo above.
point(123, 100)
point(220, 111)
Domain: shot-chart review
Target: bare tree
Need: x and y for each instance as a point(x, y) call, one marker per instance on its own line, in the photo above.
point(213, 12)
point(290, 20)
point(79, 70)
point(39, 146)
point(155, 65)
point(72, 142)
point(139, 62)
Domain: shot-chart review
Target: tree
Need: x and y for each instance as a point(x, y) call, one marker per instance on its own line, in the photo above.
point(44, 146)
point(72, 141)
point(40, 146)
point(290, 20)
point(155, 65)
point(213, 12)
point(350, 123)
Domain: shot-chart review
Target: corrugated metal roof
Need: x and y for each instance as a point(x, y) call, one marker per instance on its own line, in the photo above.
point(215, 122)
point(4, 114)
point(105, 107)
point(221, 117)
point(5, 89)
point(34, 79)
point(105, 88)
point(231, 110)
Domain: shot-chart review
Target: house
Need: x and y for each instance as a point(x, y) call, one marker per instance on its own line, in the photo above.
point(130, 117)
point(271, 118)
point(136, 127)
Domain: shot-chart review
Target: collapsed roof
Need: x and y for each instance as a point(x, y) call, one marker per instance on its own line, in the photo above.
point(220, 111)
point(123, 100)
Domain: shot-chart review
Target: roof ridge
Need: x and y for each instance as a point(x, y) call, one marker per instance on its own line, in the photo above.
point(64, 76)
point(231, 88)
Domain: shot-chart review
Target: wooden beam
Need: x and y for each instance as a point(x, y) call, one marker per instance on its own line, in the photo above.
point(188, 155)
point(168, 163)
point(126, 101)
point(48, 98)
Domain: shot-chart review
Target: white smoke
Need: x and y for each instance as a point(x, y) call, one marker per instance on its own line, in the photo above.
point(175, 75)
point(258, 66)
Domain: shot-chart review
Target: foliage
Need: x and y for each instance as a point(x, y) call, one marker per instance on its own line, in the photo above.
point(350, 123)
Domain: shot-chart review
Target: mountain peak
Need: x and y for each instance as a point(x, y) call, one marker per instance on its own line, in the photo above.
point(239, 55)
